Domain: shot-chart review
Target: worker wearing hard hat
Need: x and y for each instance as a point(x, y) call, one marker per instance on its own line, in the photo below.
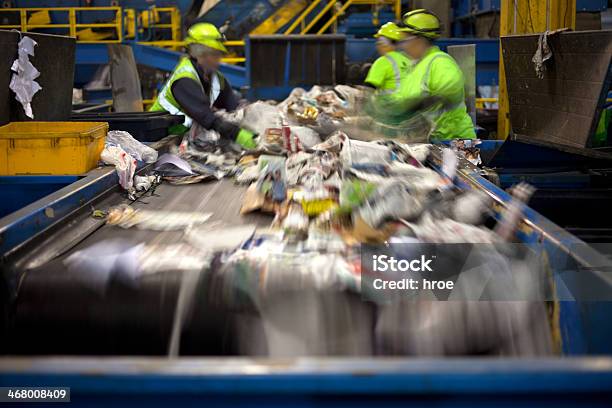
point(196, 87)
point(387, 71)
point(433, 92)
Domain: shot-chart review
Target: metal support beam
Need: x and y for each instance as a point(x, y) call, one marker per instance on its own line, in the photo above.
point(522, 17)
point(155, 57)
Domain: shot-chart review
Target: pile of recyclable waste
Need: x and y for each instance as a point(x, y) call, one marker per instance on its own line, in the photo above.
point(308, 278)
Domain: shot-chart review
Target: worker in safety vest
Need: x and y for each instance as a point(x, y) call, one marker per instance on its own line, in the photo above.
point(196, 87)
point(388, 70)
point(433, 92)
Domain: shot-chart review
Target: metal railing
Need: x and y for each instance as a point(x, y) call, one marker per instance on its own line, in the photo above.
point(127, 24)
point(130, 24)
point(73, 26)
point(307, 26)
point(148, 20)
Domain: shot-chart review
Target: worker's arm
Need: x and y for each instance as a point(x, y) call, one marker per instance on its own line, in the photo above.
point(227, 98)
point(196, 104)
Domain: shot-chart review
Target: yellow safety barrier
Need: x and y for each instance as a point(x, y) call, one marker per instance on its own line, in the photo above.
point(73, 25)
point(306, 27)
point(481, 101)
point(150, 19)
point(39, 17)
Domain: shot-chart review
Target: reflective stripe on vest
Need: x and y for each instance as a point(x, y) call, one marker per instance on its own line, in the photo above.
point(396, 75)
point(165, 102)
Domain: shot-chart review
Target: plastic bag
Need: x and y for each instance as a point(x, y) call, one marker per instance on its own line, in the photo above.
point(123, 162)
point(307, 137)
point(293, 97)
point(390, 201)
point(471, 207)
point(204, 139)
point(236, 117)
point(132, 146)
point(351, 95)
point(260, 116)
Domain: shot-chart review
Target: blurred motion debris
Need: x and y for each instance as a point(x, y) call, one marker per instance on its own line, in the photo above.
point(300, 286)
point(127, 261)
point(126, 216)
point(467, 148)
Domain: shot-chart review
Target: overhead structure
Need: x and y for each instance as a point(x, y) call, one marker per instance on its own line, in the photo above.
point(524, 17)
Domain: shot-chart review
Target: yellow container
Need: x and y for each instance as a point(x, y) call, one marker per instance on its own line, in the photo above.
point(51, 147)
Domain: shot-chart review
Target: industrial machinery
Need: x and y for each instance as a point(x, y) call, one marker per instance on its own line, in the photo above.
point(155, 32)
point(47, 311)
point(114, 343)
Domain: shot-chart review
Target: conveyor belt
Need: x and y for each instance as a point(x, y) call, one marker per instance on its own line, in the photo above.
point(75, 319)
point(223, 199)
point(54, 304)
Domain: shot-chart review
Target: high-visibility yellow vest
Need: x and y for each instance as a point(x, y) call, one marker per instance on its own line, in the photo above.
point(434, 89)
point(388, 70)
point(165, 100)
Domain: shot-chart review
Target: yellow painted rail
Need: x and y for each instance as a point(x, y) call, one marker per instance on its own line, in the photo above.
point(73, 26)
point(337, 9)
point(125, 22)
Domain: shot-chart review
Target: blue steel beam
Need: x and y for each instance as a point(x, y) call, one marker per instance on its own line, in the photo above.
point(26, 223)
point(446, 382)
point(155, 57)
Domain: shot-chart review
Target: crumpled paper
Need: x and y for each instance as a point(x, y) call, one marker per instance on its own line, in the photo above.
point(23, 81)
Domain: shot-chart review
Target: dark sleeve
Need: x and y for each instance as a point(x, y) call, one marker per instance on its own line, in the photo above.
point(196, 104)
point(227, 98)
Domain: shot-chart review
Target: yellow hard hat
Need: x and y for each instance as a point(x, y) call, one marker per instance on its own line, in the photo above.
point(390, 31)
point(206, 34)
point(421, 22)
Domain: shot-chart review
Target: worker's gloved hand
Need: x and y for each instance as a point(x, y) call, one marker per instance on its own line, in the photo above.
point(246, 139)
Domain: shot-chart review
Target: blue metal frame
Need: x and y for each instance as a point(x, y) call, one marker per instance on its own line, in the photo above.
point(20, 226)
point(19, 191)
point(155, 57)
point(309, 382)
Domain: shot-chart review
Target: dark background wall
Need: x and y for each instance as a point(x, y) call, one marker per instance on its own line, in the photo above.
point(54, 58)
